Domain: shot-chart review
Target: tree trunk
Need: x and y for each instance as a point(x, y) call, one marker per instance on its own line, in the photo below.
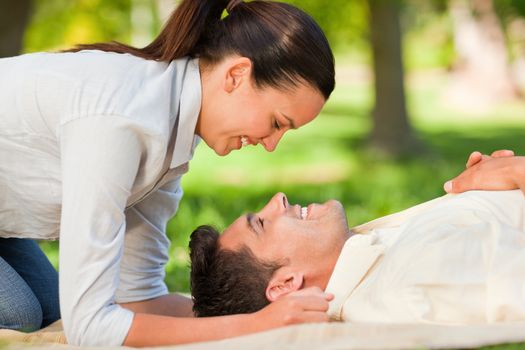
point(516, 33)
point(482, 72)
point(14, 17)
point(391, 133)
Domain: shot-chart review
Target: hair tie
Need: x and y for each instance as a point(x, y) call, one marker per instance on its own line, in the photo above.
point(232, 4)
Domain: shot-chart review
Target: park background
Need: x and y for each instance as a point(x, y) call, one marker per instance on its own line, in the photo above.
point(420, 84)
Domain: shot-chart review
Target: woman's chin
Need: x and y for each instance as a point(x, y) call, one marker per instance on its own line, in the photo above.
point(222, 151)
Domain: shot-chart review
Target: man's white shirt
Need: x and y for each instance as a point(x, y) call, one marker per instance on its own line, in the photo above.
point(459, 259)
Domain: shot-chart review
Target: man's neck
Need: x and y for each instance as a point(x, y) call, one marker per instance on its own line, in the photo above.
point(321, 278)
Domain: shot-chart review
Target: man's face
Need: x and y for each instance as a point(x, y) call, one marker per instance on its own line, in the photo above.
point(278, 233)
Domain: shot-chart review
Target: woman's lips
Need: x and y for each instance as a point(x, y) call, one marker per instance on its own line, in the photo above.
point(246, 141)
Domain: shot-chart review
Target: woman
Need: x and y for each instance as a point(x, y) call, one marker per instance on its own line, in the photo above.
point(93, 144)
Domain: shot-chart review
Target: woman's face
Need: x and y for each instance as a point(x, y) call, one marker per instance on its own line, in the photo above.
point(234, 110)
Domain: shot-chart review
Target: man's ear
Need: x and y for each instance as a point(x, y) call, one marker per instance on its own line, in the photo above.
point(282, 283)
point(239, 71)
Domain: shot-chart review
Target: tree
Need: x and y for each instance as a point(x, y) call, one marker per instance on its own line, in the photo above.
point(14, 17)
point(391, 133)
point(482, 73)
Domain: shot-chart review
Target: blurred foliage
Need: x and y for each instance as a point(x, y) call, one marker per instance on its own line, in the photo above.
point(59, 24)
point(344, 22)
point(508, 9)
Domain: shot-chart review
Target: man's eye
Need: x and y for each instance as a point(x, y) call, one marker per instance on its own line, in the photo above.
point(261, 222)
point(276, 125)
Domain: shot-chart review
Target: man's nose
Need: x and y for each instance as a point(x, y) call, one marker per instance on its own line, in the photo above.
point(277, 205)
point(270, 143)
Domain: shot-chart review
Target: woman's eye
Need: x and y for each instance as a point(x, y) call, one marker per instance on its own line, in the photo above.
point(276, 125)
point(261, 222)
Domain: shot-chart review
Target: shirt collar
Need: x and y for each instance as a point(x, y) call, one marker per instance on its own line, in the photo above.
point(358, 255)
point(190, 105)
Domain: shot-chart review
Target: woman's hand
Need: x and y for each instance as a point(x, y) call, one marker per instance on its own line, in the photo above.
point(499, 171)
point(307, 305)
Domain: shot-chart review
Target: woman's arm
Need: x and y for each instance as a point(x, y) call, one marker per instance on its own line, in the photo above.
point(308, 305)
point(146, 254)
point(100, 157)
point(174, 305)
point(499, 171)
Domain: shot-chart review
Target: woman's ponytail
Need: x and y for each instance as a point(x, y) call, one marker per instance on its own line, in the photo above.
point(184, 29)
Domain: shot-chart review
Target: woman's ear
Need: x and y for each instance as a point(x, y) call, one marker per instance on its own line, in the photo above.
point(283, 283)
point(238, 71)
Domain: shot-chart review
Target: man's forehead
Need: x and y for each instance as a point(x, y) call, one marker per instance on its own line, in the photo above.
point(235, 234)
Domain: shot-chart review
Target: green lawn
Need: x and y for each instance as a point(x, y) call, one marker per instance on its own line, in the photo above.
point(327, 159)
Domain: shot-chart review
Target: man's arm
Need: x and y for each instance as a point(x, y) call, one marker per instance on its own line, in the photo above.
point(499, 171)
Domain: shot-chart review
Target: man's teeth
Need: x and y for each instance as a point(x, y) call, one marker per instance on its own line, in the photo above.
point(304, 212)
point(244, 141)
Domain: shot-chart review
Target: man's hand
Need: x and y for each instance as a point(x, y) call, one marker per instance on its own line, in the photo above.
point(476, 157)
point(308, 305)
point(499, 171)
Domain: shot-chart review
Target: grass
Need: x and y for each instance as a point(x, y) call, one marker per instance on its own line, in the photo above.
point(328, 159)
point(515, 346)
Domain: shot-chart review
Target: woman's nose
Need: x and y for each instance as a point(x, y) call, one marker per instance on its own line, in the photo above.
point(270, 143)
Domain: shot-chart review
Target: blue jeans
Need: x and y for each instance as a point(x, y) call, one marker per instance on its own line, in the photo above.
point(28, 286)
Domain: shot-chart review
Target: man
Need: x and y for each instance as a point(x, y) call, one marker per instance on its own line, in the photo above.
point(459, 259)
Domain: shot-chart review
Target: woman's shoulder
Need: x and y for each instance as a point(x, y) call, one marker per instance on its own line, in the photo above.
point(95, 64)
point(105, 62)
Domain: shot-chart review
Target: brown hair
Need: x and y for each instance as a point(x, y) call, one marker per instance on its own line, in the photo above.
point(225, 282)
point(285, 44)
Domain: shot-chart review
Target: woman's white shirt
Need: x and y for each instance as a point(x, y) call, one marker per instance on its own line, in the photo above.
point(92, 148)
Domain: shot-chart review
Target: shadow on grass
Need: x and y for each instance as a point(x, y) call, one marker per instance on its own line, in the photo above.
point(457, 145)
